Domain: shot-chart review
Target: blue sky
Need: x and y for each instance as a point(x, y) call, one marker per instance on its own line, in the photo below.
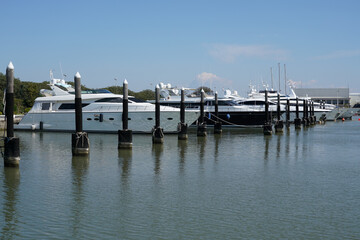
point(221, 44)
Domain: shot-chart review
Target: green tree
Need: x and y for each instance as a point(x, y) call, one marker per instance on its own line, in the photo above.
point(207, 91)
point(145, 95)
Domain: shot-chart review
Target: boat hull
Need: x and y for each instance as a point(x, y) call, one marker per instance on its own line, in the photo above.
point(239, 119)
point(104, 122)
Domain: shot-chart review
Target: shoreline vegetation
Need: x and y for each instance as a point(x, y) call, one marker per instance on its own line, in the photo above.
point(26, 92)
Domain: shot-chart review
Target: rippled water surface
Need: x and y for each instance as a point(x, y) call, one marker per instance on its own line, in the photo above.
point(298, 185)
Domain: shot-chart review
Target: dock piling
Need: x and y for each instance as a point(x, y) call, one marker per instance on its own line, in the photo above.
point(125, 135)
point(182, 135)
point(11, 143)
point(157, 132)
point(287, 113)
point(297, 120)
point(267, 125)
point(313, 112)
point(217, 124)
point(201, 128)
point(279, 125)
point(79, 140)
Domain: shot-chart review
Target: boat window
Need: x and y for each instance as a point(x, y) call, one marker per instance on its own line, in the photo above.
point(136, 100)
point(93, 91)
point(69, 106)
point(115, 100)
point(89, 119)
point(111, 119)
point(255, 103)
point(226, 103)
point(45, 106)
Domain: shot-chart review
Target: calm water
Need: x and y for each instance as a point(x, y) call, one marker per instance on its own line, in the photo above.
point(242, 185)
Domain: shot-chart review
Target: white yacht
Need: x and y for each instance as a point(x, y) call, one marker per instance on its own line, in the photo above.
point(101, 111)
point(233, 112)
point(321, 111)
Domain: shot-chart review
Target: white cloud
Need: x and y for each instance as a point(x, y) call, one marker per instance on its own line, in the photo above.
point(339, 54)
point(207, 77)
point(211, 79)
point(229, 53)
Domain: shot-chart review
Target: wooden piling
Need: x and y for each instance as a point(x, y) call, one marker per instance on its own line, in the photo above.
point(267, 125)
point(313, 112)
point(79, 140)
point(157, 133)
point(279, 125)
point(125, 135)
point(304, 120)
point(297, 120)
point(217, 124)
point(11, 143)
point(307, 113)
point(201, 128)
point(182, 134)
point(288, 113)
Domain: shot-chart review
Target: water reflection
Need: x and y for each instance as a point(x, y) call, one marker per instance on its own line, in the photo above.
point(201, 144)
point(182, 146)
point(217, 138)
point(125, 159)
point(266, 152)
point(287, 144)
point(157, 151)
point(80, 165)
point(11, 185)
point(278, 146)
point(297, 133)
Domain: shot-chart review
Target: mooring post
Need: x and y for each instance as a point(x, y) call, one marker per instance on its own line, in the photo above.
point(182, 135)
point(267, 125)
point(201, 129)
point(307, 113)
point(288, 113)
point(79, 140)
point(11, 143)
point(157, 133)
point(279, 125)
point(217, 124)
point(304, 119)
point(310, 116)
point(297, 120)
point(313, 112)
point(125, 135)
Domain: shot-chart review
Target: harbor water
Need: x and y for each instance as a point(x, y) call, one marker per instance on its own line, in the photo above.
point(238, 185)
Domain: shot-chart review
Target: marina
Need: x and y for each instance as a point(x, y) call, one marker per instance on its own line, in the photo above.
point(204, 120)
point(240, 184)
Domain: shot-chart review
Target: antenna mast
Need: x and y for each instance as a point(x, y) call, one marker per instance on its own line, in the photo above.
point(272, 80)
point(285, 77)
point(279, 77)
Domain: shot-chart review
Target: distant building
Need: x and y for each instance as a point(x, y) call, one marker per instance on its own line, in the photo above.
point(336, 96)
